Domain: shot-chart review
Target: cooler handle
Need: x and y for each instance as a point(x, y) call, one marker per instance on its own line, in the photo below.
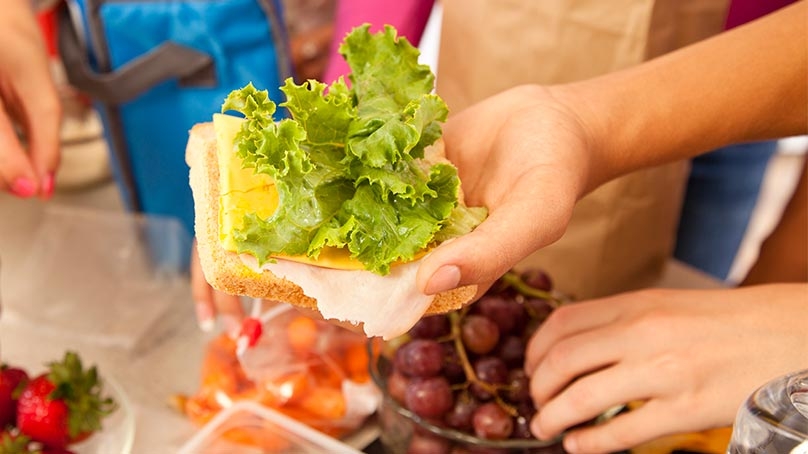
point(167, 61)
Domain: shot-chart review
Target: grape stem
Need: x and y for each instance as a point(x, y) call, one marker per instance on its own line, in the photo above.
point(523, 288)
point(471, 376)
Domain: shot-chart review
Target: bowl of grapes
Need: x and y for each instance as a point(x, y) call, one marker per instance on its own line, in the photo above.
point(455, 383)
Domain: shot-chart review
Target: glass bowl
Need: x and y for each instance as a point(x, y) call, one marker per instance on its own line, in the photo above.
point(402, 431)
point(117, 433)
point(774, 419)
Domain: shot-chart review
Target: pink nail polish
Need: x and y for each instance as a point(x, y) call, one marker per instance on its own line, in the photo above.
point(47, 186)
point(23, 187)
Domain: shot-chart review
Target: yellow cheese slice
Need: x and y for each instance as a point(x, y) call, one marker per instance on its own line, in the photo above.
point(243, 191)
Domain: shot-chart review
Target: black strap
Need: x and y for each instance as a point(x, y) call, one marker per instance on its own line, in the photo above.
point(167, 61)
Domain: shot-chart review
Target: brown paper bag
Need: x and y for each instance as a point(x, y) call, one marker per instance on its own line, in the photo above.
point(622, 234)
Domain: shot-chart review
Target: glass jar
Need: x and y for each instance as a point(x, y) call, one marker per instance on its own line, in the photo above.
point(774, 419)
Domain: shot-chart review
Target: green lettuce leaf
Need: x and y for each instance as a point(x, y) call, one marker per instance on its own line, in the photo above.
point(348, 163)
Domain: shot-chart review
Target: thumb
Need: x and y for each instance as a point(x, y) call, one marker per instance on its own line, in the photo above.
point(508, 235)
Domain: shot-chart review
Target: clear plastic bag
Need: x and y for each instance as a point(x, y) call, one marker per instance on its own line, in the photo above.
point(310, 370)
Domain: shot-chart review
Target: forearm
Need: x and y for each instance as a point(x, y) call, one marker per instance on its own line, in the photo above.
point(744, 85)
point(408, 16)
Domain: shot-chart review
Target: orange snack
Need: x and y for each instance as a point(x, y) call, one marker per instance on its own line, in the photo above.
point(302, 334)
point(289, 389)
point(220, 368)
point(265, 438)
point(356, 363)
point(302, 377)
point(326, 403)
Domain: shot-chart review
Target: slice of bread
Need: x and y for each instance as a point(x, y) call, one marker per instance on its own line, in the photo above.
point(224, 270)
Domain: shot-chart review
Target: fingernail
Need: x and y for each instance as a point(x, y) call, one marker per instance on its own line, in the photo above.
point(23, 187)
point(204, 317)
point(231, 325)
point(536, 430)
point(570, 444)
point(47, 185)
point(445, 278)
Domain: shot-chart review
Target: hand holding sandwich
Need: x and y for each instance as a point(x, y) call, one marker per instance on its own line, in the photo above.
point(28, 103)
point(530, 153)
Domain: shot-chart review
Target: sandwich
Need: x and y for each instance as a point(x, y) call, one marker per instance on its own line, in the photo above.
point(332, 206)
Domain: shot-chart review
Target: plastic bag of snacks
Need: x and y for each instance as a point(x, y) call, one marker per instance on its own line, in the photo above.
point(310, 370)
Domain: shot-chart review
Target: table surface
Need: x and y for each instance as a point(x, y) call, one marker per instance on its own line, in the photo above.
point(151, 371)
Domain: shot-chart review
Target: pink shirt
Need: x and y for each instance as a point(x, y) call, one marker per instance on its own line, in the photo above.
point(408, 16)
point(743, 11)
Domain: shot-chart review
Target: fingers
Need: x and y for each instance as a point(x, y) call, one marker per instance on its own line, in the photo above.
point(202, 294)
point(30, 101)
point(569, 320)
point(43, 124)
point(588, 397)
point(573, 357)
point(491, 249)
point(17, 175)
point(209, 302)
point(230, 311)
point(625, 431)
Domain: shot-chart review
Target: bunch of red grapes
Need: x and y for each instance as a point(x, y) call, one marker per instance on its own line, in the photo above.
point(465, 370)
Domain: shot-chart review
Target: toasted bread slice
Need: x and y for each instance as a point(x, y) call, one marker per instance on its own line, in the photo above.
point(225, 270)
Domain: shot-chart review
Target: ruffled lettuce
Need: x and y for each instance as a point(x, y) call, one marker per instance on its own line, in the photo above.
point(348, 162)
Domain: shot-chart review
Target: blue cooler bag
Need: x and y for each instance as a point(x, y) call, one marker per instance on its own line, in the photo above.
point(157, 67)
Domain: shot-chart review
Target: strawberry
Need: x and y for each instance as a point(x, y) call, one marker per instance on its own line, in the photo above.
point(12, 381)
point(64, 405)
point(47, 450)
point(13, 443)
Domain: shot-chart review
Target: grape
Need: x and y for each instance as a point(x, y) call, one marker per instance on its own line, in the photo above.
point(500, 287)
point(492, 422)
point(431, 327)
point(531, 328)
point(537, 279)
point(452, 366)
point(506, 313)
point(397, 385)
point(419, 358)
point(459, 417)
point(491, 370)
point(479, 334)
point(526, 409)
point(538, 308)
point(521, 428)
point(518, 389)
point(512, 351)
point(479, 450)
point(429, 397)
point(428, 444)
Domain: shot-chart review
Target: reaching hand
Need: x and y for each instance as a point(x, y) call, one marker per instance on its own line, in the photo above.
point(690, 356)
point(29, 103)
point(211, 303)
